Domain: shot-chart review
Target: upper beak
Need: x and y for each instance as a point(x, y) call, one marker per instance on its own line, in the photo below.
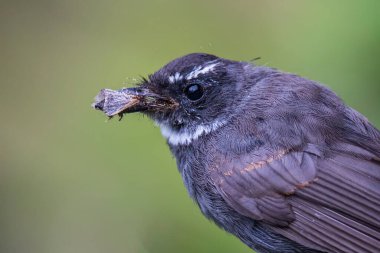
point(129, 100)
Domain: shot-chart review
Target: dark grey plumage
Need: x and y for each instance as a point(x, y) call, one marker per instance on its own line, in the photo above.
point(271, 157)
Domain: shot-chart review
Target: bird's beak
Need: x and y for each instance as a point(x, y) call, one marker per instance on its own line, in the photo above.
point(130, 100)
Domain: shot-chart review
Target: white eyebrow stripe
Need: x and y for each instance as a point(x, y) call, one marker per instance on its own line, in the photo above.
point(201, 70)
point(175, 78)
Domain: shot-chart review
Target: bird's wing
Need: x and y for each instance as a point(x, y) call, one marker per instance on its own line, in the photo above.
point(326, 200)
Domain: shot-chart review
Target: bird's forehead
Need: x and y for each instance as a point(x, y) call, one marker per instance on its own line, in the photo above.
point(192, 72)
point(187, 68)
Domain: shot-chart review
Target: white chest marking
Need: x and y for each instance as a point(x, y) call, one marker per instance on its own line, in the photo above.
point(186, 137)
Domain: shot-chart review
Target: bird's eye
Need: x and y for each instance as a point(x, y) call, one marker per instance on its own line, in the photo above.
point(194, 92)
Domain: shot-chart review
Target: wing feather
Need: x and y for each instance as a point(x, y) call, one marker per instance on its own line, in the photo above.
point(325, 202)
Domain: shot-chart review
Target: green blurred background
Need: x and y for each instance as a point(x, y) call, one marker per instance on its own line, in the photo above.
point(72, 182)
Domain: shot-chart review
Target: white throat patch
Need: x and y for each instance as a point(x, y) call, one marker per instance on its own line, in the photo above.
point(186, 137)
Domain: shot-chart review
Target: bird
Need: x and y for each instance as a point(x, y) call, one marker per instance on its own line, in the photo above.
point(278, 160)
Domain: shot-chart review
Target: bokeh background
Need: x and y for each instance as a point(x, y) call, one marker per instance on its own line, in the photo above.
point(72, 182)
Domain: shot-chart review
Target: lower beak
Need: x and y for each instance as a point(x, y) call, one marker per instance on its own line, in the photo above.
point(130, 100)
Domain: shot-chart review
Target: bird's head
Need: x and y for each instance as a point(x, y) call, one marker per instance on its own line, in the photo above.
point(188, 97)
